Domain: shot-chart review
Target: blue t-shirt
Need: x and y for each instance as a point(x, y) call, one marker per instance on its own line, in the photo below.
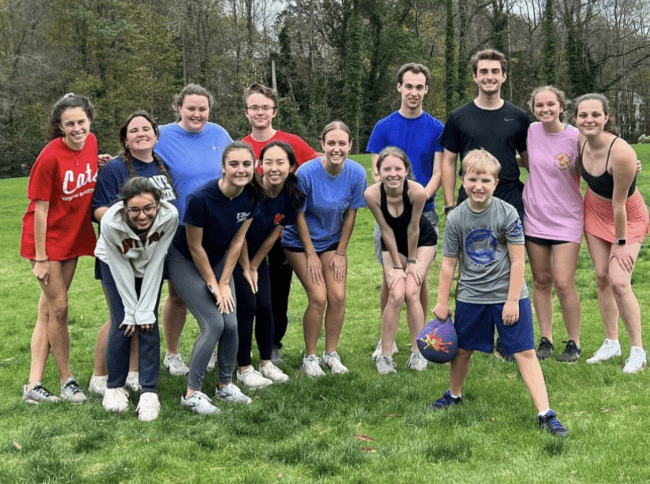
point(115, 173)
point(191, 158)
point(219, 216)
point(418, 137)
point(270, 213)
point(328, 198)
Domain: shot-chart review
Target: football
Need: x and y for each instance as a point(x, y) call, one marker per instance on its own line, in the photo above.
point(438, 341)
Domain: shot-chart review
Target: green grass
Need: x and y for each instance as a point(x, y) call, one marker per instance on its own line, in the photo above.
point(312, 430)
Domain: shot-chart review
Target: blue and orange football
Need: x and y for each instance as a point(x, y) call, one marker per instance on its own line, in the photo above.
point(438, 341)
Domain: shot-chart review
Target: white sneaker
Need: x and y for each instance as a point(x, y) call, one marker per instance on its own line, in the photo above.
point(148, 407)
point(417, 362)
point(212, 364)
point(175, 365)
point(637, 361)
point(38, 394)
point(116, 400)
point(97, 385)
point(311, 366)
point(72, 392)
point(133, 381)
point(377, 351)
point(333, 361)
point(253, 379)
point(276, 355)
point(385, 364)
point(608, 350)
point(273, 373)
point(200, 403)
point(232, 393)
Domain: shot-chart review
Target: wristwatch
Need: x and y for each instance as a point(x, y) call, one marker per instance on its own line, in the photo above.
point(411, 261)
point(621, 241)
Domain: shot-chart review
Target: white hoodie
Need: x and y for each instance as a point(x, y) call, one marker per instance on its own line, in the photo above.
point(128, 257)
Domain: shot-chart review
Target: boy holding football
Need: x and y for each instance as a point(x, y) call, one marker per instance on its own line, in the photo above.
point(486, 235)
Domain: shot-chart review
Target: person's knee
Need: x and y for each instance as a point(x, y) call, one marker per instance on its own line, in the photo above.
point(336, 297)
point(602, 279)
point(58, 310)
point(543, 280)
point(620, 286)
point(318, 300)
point(564, 287)
point(412, 291)
point(396, 294)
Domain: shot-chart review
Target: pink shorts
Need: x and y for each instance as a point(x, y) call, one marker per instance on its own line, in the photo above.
point(599, 218)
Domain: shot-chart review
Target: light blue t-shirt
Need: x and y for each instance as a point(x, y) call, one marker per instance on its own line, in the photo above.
point(418, 137)
point(192, 159)
point(328, 198)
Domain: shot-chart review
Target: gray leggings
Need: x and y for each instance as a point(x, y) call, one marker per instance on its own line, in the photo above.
point(214, 327)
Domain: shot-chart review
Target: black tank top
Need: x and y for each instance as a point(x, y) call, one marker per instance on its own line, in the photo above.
point(603, 185)
point(400, 223)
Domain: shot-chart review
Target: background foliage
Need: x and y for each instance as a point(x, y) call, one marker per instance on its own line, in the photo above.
point(333, 58)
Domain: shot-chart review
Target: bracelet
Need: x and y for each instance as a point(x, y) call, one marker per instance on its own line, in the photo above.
point(449, 208)
point(398, 268)
point(411, 261)
point(40, 260)
point(339, 253)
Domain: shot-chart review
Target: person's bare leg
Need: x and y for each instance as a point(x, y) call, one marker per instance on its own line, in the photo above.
point(599, 251)
point(541, 267)
point(626, 301)
point(174, 316)
point(565, 263)
point(40, 344)
point(531, 373)
point(458, 371)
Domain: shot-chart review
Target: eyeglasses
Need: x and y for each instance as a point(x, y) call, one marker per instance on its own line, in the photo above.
point(266, 108)
point(135, 212)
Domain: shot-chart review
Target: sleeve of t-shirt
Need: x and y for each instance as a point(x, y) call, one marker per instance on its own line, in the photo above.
point(359, 186)
point(304, 183)
point(109, 183)
point(439, 129)
point(194, 211)
point(377, 141)
point(523, 132)
point(451, 238)
point(290, 215)
point(303, 151)
point(449, 137)
point(514, 230)
point(41, 178)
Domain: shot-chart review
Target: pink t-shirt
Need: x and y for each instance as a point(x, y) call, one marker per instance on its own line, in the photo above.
point(65, 178)
point(552, 198)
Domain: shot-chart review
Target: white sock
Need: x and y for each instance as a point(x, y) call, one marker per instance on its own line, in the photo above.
point(543, 412)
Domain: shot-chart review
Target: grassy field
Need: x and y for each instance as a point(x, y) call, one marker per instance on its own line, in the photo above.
point(357, 428)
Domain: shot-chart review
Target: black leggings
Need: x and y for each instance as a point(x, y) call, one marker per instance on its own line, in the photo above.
point(253, 307)
point(280, 273)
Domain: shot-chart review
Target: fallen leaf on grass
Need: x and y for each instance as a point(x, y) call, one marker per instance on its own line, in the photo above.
point(297, 374)
point(369, 449)
point(607, 409)
point(390, 415)
point(579, 414)
point(280, 475)
point(18, 446)
point(8, 359)
point(512, 375)
point(257, 397)
point(364, 437)
point(492, 419)
point(146, 441)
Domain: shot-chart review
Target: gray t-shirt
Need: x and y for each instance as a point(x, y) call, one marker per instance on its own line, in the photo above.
point(480, 241)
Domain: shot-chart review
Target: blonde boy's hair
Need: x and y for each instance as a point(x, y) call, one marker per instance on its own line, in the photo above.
point(481, 161)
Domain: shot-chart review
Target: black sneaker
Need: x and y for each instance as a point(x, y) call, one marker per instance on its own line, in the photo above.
point(571, 353)
point(545, 349)
point(552, 424)
point(446, 401)
point(501, 352)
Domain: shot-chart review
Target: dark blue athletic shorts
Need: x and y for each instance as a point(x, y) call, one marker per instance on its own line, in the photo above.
point(475, 325)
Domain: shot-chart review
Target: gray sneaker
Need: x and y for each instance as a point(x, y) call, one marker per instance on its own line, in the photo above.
point(212, 364)
point(417, 362)
point(38, 394)
point(377, 351)
point(133, 381)
point(333, 362)
point(200, 403)
point(311, 366)
point(70, 391)
point(276, 355)
point(385, 364)
point(175, 365)
point(232, 393)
